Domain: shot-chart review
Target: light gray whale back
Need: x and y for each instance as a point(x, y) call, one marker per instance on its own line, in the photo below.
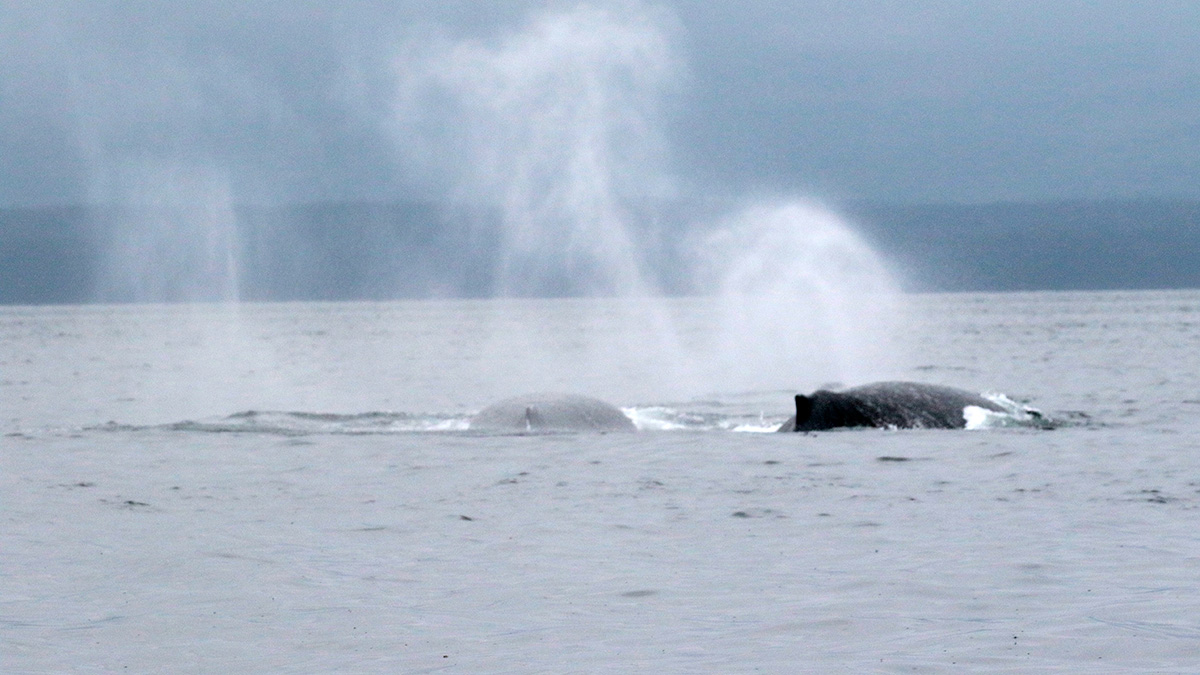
point(899, 405)
point(534, 413)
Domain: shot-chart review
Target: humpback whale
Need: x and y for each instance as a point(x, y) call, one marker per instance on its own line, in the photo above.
point(897, 405)
point(550, 413)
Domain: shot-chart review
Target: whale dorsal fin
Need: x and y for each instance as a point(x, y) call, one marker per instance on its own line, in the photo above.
point(804, 409)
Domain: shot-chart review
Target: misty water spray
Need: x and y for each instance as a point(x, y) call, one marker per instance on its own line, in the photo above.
point(558, 128)
point(802, 300)
point(174, 237)
point(554, 130)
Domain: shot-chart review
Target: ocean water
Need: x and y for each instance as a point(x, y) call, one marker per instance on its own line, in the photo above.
point(292, 488)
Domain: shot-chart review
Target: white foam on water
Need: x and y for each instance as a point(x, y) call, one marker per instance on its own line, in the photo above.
point(1013, 415)
point(654, 418)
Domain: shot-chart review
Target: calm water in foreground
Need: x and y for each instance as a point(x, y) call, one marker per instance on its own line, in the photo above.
point(290, 488)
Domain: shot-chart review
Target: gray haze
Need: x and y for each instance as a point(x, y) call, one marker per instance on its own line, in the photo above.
point(297, 101)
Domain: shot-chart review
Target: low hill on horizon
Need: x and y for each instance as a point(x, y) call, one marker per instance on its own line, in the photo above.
point(351, 251)
point(1021, 246)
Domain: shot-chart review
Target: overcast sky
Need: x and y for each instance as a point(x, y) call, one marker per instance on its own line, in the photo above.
point(917, 101)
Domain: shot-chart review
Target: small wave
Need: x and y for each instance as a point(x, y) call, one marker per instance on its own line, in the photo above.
point(333, 423)
point(284, 423)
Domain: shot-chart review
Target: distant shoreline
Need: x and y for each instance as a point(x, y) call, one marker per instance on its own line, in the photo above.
point(379, 251)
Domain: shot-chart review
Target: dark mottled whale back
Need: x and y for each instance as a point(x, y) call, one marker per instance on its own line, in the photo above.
point(900, 405)
point(549, 413)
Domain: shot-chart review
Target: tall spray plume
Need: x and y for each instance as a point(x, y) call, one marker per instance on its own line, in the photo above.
point(173, 236)
point(802, 300)
point(556, 128)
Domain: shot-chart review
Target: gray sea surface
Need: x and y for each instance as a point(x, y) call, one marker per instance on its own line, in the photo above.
point(293, 488)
